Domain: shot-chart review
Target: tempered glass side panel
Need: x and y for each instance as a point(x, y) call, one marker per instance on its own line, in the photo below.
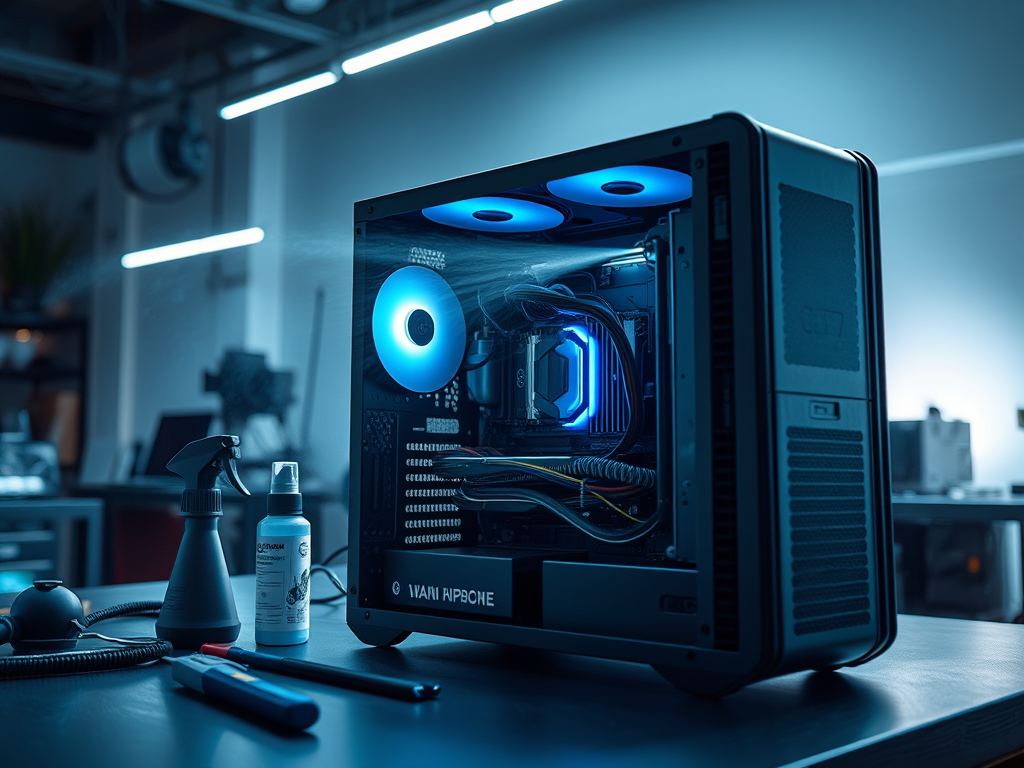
point(509, 382)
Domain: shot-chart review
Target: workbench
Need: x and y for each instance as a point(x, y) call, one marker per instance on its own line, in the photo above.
point(948, 693)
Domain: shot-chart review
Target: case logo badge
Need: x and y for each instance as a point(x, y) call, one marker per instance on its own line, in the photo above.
point(822, 322)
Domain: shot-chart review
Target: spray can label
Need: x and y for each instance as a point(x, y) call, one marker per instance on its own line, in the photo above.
point(282, 583)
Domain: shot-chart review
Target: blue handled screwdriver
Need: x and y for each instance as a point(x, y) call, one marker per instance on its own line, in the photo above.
point(231, 683)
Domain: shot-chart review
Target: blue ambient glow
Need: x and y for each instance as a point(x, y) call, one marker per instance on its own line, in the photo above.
point(496, 214)
point(431, 360)
point(626, 186)
point(590, 345)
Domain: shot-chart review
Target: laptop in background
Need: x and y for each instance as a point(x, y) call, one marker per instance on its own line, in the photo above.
point(174, 433)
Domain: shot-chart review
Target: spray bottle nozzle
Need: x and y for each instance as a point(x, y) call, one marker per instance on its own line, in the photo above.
point(201, 462)
point(284, 477)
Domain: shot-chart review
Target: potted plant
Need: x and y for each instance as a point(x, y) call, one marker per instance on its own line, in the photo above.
point(33, 249)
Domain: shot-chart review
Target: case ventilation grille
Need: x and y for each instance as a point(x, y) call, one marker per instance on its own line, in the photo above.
point(377, 516)
point(431, 518)
point(819, 280)
point(828, 529)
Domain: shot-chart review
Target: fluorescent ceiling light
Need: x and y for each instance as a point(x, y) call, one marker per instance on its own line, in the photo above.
point(192, 248)
point(419, 42)
point(510, 10)
point(277, 95)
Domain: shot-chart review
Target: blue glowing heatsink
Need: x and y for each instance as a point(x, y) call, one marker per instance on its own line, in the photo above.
point(586, 390)
point(625, 186)
point(496, 214)
point(419, 330)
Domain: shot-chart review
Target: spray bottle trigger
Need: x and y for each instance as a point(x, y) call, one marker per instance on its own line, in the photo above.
point(201, 461)
point(232, 472)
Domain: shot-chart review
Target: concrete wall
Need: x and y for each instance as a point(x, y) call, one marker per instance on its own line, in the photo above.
point(894, 80)
point(64, 178)
point(953, 241)
point(180, 316)
point(65, 181)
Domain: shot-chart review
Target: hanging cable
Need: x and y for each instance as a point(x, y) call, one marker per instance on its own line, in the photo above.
point(336, 553)
point(342, 592)
point(481, 496)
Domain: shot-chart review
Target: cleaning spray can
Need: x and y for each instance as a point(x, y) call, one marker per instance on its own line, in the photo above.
point(282, 562)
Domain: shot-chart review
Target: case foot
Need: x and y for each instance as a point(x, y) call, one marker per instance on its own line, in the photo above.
point(697, 683)
point(382, 637)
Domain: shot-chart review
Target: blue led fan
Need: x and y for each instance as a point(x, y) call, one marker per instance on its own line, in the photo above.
point(625, 186)
point(496, 214)
point(419, 330)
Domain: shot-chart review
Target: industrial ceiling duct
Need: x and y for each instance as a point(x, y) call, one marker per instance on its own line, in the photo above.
point(165, 159)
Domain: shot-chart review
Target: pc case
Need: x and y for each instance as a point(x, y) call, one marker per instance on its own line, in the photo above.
point(628, 402)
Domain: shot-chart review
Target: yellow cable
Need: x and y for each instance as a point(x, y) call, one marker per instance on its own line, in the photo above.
point(543, 469)
point(575, 480)
point(620, 511)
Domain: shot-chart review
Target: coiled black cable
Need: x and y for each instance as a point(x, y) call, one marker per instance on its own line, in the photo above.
point(96, 660)
point(608, 469)
point(73, 662)
point(141, 608)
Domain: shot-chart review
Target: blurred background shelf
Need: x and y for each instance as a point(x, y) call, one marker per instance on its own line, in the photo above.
point(50, 539)
point(44, 364)
point(960, 557)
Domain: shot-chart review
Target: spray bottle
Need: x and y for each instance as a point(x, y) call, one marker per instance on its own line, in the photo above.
point(199, 606)
point(282, 562)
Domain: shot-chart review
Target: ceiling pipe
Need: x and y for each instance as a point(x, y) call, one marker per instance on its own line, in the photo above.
point(262, 20)
point(69, 73)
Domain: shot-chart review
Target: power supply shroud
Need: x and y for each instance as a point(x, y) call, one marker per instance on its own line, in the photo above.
point(748, 531)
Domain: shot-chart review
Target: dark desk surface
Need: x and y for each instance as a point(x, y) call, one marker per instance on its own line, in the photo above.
point(948, 693)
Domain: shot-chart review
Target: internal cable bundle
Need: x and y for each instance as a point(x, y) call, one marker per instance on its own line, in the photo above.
point(606, 469)
point(491, 478)
point(584, 485)
point(581, 487)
